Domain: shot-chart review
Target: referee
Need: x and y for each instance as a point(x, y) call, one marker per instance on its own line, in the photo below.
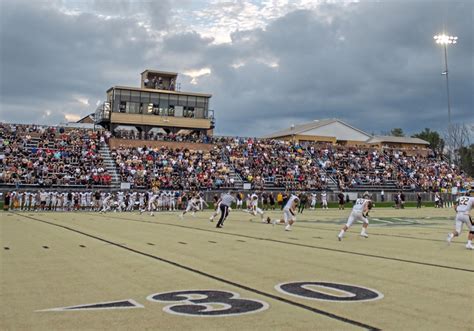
point(225, 202)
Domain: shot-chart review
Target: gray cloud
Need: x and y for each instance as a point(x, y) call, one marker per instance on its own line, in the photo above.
point(374, 65)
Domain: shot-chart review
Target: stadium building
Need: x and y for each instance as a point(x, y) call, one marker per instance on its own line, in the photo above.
point(338, 132)
point(156, 104)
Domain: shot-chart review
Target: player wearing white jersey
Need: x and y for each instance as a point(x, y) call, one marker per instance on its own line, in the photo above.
point(26, 198)
point(359, 212)
point(107, 203)
point(314, 200)
point(100, 203)
point(20, 200)
point(202, 202)
point(253, 208)
point(463, 206)
point(289, 212)
point(152, 203)
point(12, 200)
point(324, 200)
point(30, 201)
point(82, 200)
point(89, 202)
point(141, 200)
point(248, 201)
point(54, 200)
point(149, 194)
point(132, 199)
point(43, 198)
point(162, 201)
point(169, 200)
point(60, 201)
point(49, 197)
point(173, 201)
point(120, 201)
point(193, 205)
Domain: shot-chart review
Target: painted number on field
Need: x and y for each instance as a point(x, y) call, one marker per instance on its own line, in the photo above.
point(325, 291)
point(207, 303)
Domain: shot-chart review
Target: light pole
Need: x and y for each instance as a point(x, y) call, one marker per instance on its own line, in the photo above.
point(446, 40)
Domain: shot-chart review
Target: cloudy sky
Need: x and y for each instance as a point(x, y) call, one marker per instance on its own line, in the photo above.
point(268, 64)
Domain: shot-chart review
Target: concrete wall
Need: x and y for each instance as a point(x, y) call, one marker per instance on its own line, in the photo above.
point(116, 142)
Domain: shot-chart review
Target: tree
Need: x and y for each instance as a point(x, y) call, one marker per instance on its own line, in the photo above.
point(466, 157)
point(433, 137)
point(397, 132)
point(457, 137)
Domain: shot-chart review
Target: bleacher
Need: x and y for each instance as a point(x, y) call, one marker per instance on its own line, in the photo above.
point(35, 156)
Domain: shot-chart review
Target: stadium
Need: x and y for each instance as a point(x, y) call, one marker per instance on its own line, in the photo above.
point(141, 214)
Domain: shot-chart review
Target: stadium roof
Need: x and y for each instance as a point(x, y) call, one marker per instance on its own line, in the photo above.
point(159, 91)
point(400, 140)
point(77, 125)
point(87, 119)
point(326, 127)
point(341, 131)
point(164, 73)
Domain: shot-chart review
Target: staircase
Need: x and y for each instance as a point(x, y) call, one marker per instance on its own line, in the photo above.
point(330, 180)
point(109, 164)
point(238, 182)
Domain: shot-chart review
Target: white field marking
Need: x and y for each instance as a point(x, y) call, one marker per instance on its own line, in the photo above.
point(407, 220)
point(375, 225)
point(78, 308)
point(324, 289)
point(379, 220)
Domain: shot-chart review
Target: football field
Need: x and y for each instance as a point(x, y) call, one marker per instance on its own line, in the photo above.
point(124, 271)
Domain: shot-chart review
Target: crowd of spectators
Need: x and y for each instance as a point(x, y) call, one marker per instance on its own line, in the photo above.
point(163, 136)
point(49, 156)
point(280, 163)
point(356, 167)
point(157, 83)
point(178, 169)
point(429, 174)
point(353, 167)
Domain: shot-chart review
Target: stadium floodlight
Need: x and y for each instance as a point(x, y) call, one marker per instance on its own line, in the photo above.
point(445, 40)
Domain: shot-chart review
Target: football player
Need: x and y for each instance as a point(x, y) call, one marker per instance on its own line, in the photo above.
point(289, 212)
point(359, 212)
point(463, 206)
